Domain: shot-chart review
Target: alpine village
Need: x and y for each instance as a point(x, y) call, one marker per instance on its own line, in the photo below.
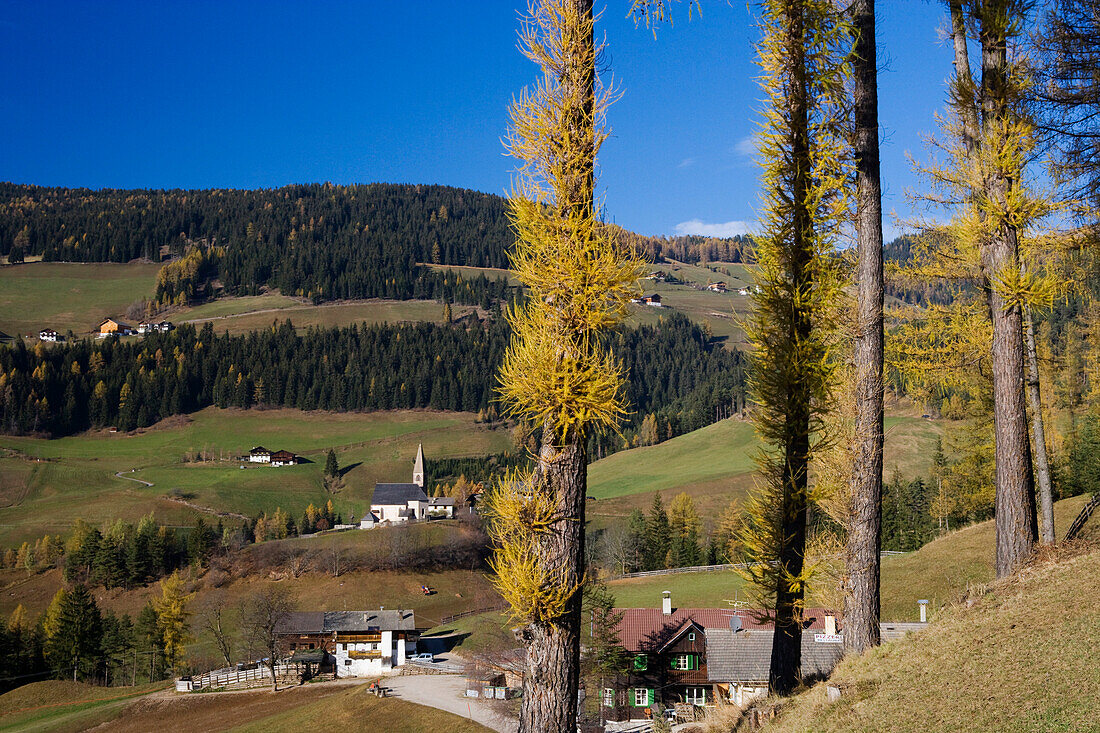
point(550, 366)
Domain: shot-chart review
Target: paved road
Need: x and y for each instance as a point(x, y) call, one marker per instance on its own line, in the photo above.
point(131, 478)
point(447, 692)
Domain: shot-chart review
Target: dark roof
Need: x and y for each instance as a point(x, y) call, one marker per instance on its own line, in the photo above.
point(648, 630)
point(397, 494)
point(441, 501)
point(282, 455)
point(326, 622)
point(303, 622)
point(260, 449)
point(745, 656)
point(652, 296)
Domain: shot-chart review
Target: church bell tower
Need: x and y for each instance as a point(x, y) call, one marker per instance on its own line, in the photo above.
point(418, 467)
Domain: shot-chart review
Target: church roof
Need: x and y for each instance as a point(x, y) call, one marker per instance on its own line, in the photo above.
point(390, 494)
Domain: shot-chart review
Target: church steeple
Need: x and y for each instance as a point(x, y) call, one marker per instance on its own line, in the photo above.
point(418, 467)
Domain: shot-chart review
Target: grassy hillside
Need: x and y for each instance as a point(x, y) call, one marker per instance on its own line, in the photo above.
point(68, 706)
point(1022, 658)
point(46, 484)
point(940, 572)
point(715, 464)
point(250, 313)
point(69, 296)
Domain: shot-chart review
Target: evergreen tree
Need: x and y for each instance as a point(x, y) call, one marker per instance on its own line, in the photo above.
point(658, 536)
point(76, 641)
point(332, 468)
point(797, 284)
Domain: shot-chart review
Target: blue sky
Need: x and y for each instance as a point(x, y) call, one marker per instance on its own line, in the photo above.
point(240, 94)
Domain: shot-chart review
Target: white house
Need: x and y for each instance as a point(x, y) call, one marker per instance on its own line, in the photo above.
point(362, 643)
point(441, 506)
point(48, 334)
point(259, 454)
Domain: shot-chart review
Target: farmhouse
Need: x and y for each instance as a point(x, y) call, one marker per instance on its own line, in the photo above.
point(161, 327)
point(259, 454)
point(112, 326)
point(697, 656)
point(719, 287)
point(358, 643)
point(402, 502)
point(48, 334)
point(282, 458)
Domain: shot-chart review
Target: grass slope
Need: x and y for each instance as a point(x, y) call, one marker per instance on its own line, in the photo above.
point(251, 313)
point(69, 296)
point(940, 572)
point(715, 466)
point(46, 484)
point(1022, 658)
point(67, 706)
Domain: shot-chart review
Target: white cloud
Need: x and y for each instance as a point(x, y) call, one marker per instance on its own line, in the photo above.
point(746, 147)
point(686, 162)
point(720, 229)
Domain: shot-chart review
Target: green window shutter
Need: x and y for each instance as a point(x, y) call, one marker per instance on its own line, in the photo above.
point(652, 698)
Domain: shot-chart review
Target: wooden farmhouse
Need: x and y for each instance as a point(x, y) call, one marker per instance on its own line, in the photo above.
point(48, 334)
point(282, 458)
point(259, 454)
point(354, 643)
point(112, 327)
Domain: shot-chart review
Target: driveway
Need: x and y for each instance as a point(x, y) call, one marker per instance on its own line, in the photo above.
point(447, 692)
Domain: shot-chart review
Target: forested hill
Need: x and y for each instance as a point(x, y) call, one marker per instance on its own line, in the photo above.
point(319, 240)
point(675, 373)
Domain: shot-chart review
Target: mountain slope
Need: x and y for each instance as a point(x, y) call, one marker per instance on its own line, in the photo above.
point(1020, 658)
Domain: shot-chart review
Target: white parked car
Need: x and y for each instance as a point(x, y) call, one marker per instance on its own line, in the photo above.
point(425, 657)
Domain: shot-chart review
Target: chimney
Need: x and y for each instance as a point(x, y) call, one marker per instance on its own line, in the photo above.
point(830, 625)
point(923, 611)
point(666, 602)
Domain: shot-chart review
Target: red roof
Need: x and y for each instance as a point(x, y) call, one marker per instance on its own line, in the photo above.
point(647, 629)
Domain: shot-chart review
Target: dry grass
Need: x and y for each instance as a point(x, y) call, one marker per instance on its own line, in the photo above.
point(1019, 658)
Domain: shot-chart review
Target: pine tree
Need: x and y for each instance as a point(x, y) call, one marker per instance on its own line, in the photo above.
point(658, 536)
point(557, 374)
point(864, 542)
point(172, 619)
point(76, 640)
point(332, 468)
point(802, 147)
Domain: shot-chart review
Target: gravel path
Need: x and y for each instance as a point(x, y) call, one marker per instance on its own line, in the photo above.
point(448, 692)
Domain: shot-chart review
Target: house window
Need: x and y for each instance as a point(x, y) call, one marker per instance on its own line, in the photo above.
point(641, 662)
point(691, 636)
point(695, 695)
point(643, 697)
point(347, 662)
point(684, 661)
point(608, 697)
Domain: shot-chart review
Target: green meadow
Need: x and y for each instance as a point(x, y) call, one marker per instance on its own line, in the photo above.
point(68, 296)
point(46, 484)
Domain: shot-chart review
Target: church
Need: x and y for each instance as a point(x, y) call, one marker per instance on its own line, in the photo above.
point(393, 503)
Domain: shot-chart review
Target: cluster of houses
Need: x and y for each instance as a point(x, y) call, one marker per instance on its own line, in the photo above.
point(112, 327)
point(259, 454)
point(653, 299)
point(681, 658)
point(406, 502)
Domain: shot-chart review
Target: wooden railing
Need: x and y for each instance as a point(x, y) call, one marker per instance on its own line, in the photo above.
point(214, 680)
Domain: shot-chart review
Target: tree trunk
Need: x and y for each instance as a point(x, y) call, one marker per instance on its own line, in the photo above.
point(552, 671)
point(1016, 527)
point(861, 612)
point(1038, 434)
point(786, 660)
